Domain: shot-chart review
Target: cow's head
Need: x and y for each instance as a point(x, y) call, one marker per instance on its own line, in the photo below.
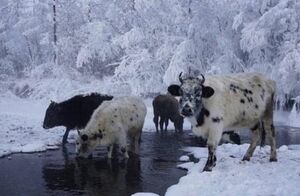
point(52, 116)
point(86, 143)
point(191, 92)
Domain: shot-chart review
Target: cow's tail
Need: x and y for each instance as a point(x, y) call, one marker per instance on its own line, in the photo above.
point(262, 134)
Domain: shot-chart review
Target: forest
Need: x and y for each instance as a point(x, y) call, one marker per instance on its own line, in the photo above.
point(57, 48)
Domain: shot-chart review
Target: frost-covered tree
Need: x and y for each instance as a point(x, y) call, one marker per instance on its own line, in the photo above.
point(270, 38)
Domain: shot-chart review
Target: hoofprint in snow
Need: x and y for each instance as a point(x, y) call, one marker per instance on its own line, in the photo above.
point(231, 176)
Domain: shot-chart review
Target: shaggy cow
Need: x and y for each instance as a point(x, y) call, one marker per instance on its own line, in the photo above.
point(228, 102)
point(166, 107)
point(110, 124)
point(73, 113)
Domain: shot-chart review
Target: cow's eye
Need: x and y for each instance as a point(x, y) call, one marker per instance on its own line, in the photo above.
point(180, 92)
point(180, 100)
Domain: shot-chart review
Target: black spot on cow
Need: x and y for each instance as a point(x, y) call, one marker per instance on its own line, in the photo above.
point(131, 119)
point(256, 106)
point(112, 122)
point(242, 100)
point(217, 119)
point(244, 113)
point(250, 99)
point(137, 115)
point(115, 116)
point(250, 92)
point(200, 117)
point(262, 94)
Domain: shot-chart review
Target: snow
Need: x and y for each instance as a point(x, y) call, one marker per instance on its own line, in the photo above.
point(144, 194)
point(231, 176)
point(184, 158)
point(21, 127)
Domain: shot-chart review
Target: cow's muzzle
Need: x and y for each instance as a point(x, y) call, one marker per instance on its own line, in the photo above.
point(186, 111)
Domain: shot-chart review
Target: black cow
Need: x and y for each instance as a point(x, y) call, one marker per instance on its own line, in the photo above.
point(73, 113)
point(166, 107)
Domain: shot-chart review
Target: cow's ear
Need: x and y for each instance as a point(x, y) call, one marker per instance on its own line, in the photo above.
point(207, 91)
point(174, 90)
point(84, 137)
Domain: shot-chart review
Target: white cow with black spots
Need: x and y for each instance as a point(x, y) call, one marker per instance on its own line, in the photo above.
point(224, 102)
point(111, 123)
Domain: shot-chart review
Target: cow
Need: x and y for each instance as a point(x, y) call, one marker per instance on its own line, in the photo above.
point(111, 123)
point(166, 107)
point(224, 102)
point(73, 113)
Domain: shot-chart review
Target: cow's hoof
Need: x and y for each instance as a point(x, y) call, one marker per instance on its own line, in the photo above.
point(207, 169)
point(273, 159)
point(246, 159)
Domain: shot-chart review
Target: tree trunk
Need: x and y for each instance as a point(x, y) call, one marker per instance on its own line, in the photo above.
point(54, 32)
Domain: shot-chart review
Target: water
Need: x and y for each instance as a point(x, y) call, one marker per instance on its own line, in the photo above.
point(58, 172)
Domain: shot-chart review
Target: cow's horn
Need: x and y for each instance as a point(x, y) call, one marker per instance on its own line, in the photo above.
point(180, 77)
point(203, 78)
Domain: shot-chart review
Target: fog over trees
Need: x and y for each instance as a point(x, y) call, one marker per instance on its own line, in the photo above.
point(48, 47)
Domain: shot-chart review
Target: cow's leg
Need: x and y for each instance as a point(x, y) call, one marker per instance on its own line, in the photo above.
point(214, 138)
point(65, 137)
point(270, 131)
point(137, 142)
point(155, 120)
point(161, 123)
point(254, 140)
point(123, 144)
point(269, 128)
point(109, 151)
point(166, 123)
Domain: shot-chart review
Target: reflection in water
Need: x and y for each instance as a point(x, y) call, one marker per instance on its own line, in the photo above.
point(287, 135)
point(284, 136)
point(153, 170)
point(97, 176)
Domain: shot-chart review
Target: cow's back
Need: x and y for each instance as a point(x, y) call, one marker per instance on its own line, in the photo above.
point(166, 105)
point(240, 99)
point(78, 110)
point(125, 112)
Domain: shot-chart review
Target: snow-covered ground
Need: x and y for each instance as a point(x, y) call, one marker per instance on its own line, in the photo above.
point(231, 176)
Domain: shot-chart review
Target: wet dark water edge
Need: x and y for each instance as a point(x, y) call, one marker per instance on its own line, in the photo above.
point(58, 172)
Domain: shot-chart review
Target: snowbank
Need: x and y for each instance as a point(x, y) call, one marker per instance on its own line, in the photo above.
point(231, 176)
point(21, 127)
